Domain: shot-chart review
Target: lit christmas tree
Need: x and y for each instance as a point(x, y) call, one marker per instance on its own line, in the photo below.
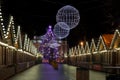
point(49, 45)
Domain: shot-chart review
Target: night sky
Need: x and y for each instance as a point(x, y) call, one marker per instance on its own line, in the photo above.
point(34, 16)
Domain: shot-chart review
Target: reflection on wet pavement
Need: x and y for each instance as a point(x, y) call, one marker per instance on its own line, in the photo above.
point(47, 72)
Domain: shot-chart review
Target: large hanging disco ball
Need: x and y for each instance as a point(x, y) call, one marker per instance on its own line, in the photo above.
point(61, 30)
point(69, 15)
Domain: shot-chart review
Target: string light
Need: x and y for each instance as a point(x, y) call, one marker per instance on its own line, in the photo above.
point(103, 44)
point(87, 49)
point(16, 37)
point(3, 27)
point(93, 46)
point(116, 34)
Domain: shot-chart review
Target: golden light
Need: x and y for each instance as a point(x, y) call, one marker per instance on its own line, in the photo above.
point(81, 43)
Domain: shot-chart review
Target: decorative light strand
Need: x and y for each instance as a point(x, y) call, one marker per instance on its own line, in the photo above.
point(18, 38)
point(87, 49)
point(25, 42)
point(79, 50)
point(116, 34)
point(2, 25)
point(30, 46)
point(27, 45)
point(82, 50)
point(9, 26)
point(75, 50)
point(101, 41)
point(93, 46)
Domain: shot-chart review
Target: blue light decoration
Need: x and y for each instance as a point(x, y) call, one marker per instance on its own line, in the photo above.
point(61, 30)
point(69, 15)
point(49, 45)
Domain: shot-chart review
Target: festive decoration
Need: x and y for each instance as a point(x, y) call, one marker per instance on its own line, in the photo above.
point(93, 46)
point(2, 25)
point(69, 15)
point(25, 42)
point(49, 45)
point(79, 50)
point(61, 32)
point(115, 40)
point(101, 44)
point(87, 49)
point(53, 44)
point(18, 38)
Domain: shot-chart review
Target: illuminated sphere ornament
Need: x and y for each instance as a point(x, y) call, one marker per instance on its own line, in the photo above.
point(61, 30)
point(69, 15)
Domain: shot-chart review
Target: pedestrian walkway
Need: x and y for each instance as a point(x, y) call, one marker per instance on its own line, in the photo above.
point(46, 72)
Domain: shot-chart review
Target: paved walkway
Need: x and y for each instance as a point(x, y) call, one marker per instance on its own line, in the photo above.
point(45, 72)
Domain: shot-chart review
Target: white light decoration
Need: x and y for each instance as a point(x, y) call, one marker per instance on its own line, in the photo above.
point(25, 41)
point(93, 46)
point(30, 46)
point(27, 47)
point(43, 37)
point(69, 15)
point(87, 49)
point(54, 45)
point(75, 50)
point(1, 19)
point(61, 32)
point(18, 38)
point(1, 23)
point(82, 50)
point(6, 45)
point(28, 53)
point(115, 37)
point(39, 41)
point(69, 52)
point(9, 26)
point(3, 27)
point(79, 50)
point(11, 29)
point(101, 41)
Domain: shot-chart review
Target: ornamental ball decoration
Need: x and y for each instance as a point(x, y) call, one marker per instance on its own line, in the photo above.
point(61, 32)
point(69, 15)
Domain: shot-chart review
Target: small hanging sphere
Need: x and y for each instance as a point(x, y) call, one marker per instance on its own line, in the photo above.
point(61, 32)
point(69, 15)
